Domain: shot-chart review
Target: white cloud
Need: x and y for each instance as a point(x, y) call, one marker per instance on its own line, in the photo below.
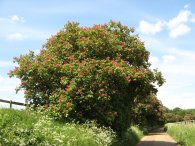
point(15, 19)
point(186, 6)
point(149, 28)
point(182, 17)
point(168, 58)
point(192, 19)
point(6, 64)
point(177, 99)
point(12, 28)
point(177, 26)
point(12, 19)
point(177, 66)
point(16, 37)
point(8, 84)
point(153, 59)
point(179, 30)
point(7, 89)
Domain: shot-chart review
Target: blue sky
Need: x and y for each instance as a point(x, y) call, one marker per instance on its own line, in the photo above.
point(166, 26)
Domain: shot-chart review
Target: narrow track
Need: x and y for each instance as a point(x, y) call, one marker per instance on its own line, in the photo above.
point(157, 138)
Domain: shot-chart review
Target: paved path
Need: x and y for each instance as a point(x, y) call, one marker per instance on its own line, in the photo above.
point(157, 138)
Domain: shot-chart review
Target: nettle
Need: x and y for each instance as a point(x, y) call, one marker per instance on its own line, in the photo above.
point(89, 73)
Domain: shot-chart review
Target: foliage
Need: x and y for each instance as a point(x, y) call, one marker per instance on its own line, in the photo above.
point(149, 112)
point(35, 128)
point(29, 127)
point(90, 73)
point(130, 138)
point(183, 134)
point(178, 114)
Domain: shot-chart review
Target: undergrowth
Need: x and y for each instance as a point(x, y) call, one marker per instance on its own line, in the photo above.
point(36, 128)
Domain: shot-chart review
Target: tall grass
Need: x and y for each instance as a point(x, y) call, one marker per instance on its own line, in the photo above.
point(183, 134)
point(130, 138)
point(27, 128)
point(30, 128)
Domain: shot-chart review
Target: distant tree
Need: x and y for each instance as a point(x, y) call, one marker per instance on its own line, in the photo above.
point(178, 114)
point(178, 111)
point(90, 73)
point(189, 117)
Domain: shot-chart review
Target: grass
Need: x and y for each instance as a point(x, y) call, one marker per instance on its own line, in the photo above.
point(30, 128)
point(183, 134)
point(26, 128)
point(130, 138)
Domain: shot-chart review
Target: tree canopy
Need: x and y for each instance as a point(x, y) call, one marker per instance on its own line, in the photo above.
point(90, 73)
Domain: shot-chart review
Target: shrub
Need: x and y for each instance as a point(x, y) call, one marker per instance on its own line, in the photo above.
point(130, 138)
point(89, 73)
point(26, 128)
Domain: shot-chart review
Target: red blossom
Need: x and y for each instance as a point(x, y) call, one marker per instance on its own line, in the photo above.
point(69, 104)
point(129, 80)
point(138, 77)
point(65, 111)
point(60, 99)
point(123, 43)
point(134, 70)
point(67, 88)
point(81, 75)
point(26, 92)
point(107, 58)
point(79, 91)
point(62, 78)
point(103, 82)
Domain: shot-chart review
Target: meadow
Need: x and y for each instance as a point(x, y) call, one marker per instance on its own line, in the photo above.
point(27, 127)
point(183, 134)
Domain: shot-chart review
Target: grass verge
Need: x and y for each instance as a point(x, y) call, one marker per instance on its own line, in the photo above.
point(27, 128)
point(183, 134)
point(30, 128)
point(130, 138)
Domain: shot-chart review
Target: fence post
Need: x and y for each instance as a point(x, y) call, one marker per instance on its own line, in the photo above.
point(26, 103)
point(10, 103)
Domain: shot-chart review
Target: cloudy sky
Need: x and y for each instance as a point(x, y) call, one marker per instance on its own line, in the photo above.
point(166, 26)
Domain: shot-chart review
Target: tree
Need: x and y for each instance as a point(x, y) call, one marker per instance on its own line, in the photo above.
point(89, 73)
point(171, 117)
point(177, 114)
point(149, 112)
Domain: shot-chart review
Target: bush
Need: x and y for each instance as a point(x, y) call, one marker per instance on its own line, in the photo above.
point(130, 138)
point(25, 128)
point(89, 73)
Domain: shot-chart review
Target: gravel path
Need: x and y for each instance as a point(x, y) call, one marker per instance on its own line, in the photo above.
point(157, 138)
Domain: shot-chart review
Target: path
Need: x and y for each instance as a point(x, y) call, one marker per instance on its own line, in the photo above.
point(157, 138)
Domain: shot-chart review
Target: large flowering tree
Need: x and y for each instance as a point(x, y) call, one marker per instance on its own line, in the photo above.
point(89, 73)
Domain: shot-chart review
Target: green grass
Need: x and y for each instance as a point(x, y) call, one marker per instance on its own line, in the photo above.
point(27, 128)
point(130, 138)
point(183, 134)
point(30, 128)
